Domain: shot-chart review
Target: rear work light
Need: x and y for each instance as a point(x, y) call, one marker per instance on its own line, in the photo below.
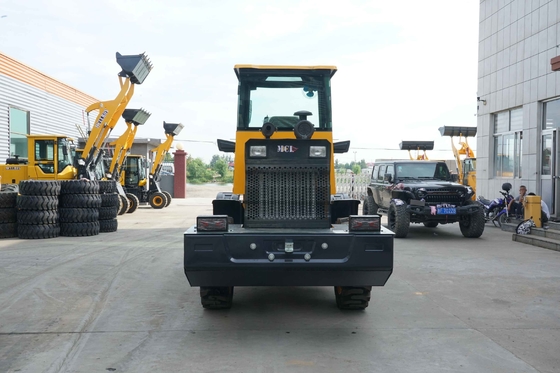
point(212, 223)
point(364, 223)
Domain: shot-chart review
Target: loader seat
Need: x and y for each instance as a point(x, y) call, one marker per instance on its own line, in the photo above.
point(284, 122)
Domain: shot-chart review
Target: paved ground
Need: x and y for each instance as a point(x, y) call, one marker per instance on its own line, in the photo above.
point(120, 302)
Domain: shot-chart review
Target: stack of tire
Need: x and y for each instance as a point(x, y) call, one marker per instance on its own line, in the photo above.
point(111, 204)
point(8, 214)
point(79, 208)
point(37, 209)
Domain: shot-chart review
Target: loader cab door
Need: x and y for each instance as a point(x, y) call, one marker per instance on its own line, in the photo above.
point(44, 159)
point(51, 159)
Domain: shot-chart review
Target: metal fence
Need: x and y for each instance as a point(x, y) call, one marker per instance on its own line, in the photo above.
point(352, 184)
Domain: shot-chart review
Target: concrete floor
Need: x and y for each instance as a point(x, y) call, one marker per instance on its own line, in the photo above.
point(120, 302)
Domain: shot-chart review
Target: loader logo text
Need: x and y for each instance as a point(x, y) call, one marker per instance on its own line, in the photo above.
point(101, 118)
point(12, 168)
point(287, 149)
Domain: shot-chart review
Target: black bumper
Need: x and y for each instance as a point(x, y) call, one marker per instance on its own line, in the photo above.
point(429, 214)
point(229, 259)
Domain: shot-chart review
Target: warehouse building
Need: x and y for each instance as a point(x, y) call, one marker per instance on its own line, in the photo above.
point(32, 102)
point(519, 98)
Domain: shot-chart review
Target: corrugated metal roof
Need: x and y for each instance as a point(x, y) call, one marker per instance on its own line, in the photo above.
point(26, 74)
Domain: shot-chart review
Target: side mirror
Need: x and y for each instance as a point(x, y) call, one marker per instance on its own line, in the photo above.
point(454, 178)
point(388, 178)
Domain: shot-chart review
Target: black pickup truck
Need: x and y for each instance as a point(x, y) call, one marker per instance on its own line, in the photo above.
point(421, 191)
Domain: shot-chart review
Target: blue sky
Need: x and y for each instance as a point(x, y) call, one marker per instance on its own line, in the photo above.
point(406, 68)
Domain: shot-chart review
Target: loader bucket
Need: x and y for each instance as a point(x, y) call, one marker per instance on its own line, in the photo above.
point(135, 66)
point(417, 145)
point(172, 128)
point(458, 131)
point(136, 116)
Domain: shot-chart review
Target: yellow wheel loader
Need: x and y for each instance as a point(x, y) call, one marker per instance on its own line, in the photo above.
point(120, 148)
point(147, 187)
point(464, 155)
point(283, 224)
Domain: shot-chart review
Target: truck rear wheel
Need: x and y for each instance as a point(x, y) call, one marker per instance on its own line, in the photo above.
point(216, 298)
point(352, 297)
point(399, 220)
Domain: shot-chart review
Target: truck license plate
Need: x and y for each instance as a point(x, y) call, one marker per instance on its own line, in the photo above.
point(446, 211)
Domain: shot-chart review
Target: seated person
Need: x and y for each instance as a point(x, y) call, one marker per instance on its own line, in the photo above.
point(515, 207)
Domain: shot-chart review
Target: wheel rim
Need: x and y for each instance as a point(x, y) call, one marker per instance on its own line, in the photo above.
point(158, 201)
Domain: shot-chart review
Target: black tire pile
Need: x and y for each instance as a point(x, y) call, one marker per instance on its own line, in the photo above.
point(110, 203)
point(37, 209)
point(79, 208)
point(8, 214)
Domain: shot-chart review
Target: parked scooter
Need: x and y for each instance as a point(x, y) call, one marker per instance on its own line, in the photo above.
point(496, 211)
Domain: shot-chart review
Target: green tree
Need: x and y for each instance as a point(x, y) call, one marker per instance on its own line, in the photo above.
point(221, 167)
point(197, 171)
point(356, 169)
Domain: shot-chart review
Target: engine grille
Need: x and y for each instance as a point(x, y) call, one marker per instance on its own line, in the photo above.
point(443, 195)
point(287, 196)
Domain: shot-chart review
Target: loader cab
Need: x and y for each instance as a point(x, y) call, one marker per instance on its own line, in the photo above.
point(51, 157)
point(135, 171)
point(276, 103)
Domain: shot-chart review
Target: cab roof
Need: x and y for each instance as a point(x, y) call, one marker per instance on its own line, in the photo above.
point(240, 68)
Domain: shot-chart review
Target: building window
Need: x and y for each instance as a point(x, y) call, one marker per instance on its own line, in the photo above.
point(508, 140)
point(19, 128)
point(551, 114)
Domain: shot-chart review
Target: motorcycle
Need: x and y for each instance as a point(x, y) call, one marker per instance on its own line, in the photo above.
point(496, 211)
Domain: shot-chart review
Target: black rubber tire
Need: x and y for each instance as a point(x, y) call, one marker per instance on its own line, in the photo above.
point(38, 231)
point(106, 226)
point(133, 203)
point(473, 227)
point(79, 187)
point(352, 297)
point(370, 207)
point(399, 220)
point(108, 213)
point(430, 224)
point(80, 200)
point(8, 215)
point(39, 187)
point(109, 200)
point(216, 298)
point(37, 202)
point(107, 186)
point(37, 217)
point(77, 215)
point(169, 198)
point(8, 199)
point(90, 228)
point(8, 230)
point(503, 219)
point(157, 200)
point(123, 205)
